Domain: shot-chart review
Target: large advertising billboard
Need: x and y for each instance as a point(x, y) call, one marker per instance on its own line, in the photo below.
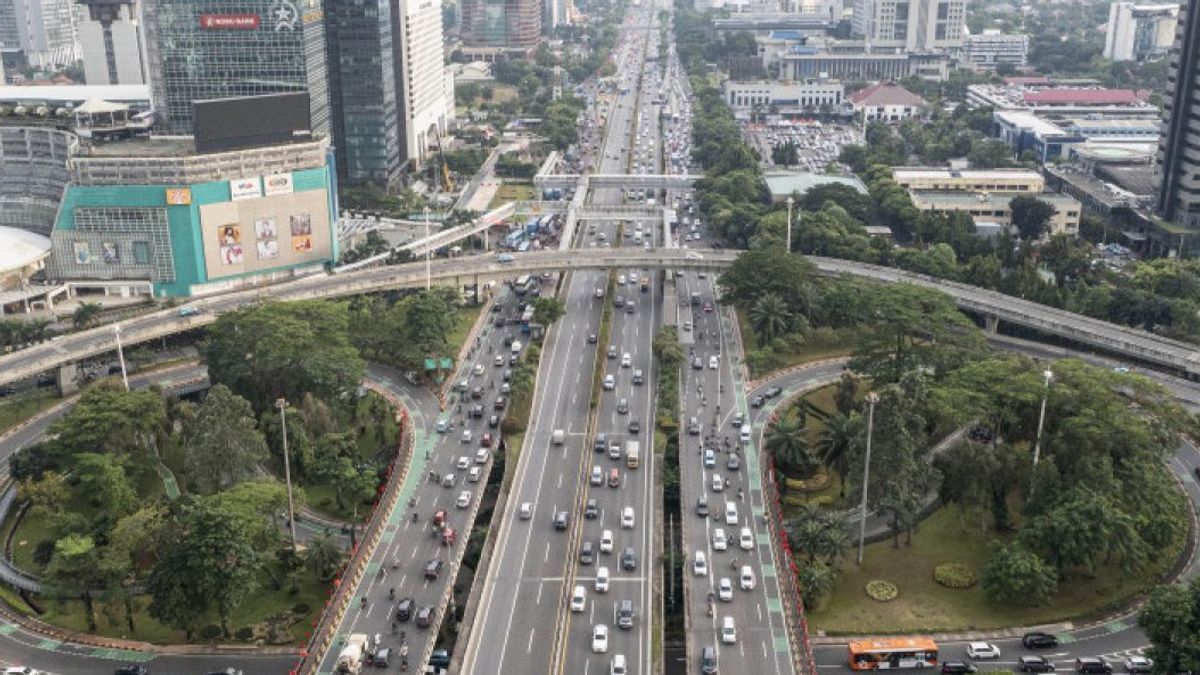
point(229, 21)
point(255, 234)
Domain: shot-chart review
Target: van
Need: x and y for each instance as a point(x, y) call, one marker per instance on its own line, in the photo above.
point(558, 437)
point(516, 347)
point(601, 583)
point(747, 580)
point(746, 433)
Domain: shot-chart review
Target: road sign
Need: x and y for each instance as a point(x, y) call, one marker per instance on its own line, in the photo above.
point(430, 364)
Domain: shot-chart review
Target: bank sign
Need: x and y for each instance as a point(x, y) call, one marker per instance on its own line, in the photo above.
point(229, 21)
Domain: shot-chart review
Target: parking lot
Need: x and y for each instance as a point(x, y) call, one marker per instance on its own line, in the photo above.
point(818, 142)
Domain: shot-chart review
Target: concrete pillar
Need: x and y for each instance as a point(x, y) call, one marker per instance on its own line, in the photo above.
point(990, 323)
point(68, 382)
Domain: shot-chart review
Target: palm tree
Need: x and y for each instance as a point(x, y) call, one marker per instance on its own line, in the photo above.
point(816, 580)
point(86, 314)
point(834, 446)
point(788, 444)
point(770, 317)
point(323, 556)
point(818, 533)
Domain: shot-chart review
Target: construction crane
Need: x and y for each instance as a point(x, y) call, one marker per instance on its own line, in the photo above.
point(447, 181)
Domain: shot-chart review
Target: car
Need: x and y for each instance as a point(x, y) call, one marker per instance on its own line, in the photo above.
point(190, 311)
point(448, 480)
point(694, 427)
point(725, 590)
point(746, 581)
point(599, 292)
point(710, 458)
point(733, 463)
point(625, 614)
point(1092, 664)
point(525, 512)
point(433, 568)
point(591, 338)
point(718, 484)
point(731, 513)
point(728, 631)
point(463, 463)
point(1138, 664)
point(477, 411)
point(708, 308)
point(635, 426)
point(610, 382)
point(404, 609)
point(494, 421)
point(719, 541)
point(708, 660)
point(713, 363)
point(612, 351)
point(578, 599)
point(628, 559)
point(638, 376)
point(498, 361)
point(757, 402)
point(466, 436)
point(561, 520)
point(697, 364)
point(464, 499)
point(700, 564)
point(592, 510)
point(623, 407)
point(500, 401)
point(630, 308)
point(440, 658)
point(957, 667)
point(597, 477)
point(599, 638)
point(702, 506)
point(601, 582)
point(606, 541)
point(746, 539)
point(618, 301)
point(737, 421)
point(772, 392)
point(627, 518)
point(131, 670)
point(1039, 640)
point(587, 553)
point(424, 617)
point(1034, 664)
point(982, 650)
point(626, 360)
point(476, 393)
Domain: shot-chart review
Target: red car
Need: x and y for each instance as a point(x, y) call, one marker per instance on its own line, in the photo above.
point(486, 441)
point(708, 308)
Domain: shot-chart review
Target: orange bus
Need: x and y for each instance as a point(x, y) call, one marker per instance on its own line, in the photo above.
point(892, 653)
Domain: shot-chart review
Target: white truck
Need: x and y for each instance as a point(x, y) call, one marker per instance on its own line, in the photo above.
point(558, 437)
point(632, 454)
point(351, 659)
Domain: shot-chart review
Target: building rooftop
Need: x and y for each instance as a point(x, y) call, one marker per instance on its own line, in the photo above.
point(886, 93)
point(157, 146)
point(909, 173)
point(21, 248)
point(1069, 96)
point(1111, 123)
point(1028, 120)
point(783, 183)
point(966, 199)
point(74, 94)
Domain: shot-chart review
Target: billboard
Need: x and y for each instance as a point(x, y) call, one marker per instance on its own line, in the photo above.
point(179, 196)
point(251, 121)
point(270, 232)
point(277, 184)
point(245, 188)
point(229, 21)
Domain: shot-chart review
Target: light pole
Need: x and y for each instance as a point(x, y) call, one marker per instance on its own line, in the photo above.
point(790, 201)
point(281, 403)
point(1037, 442)
point(872, 399)
point(428, 249)
point(121, 355)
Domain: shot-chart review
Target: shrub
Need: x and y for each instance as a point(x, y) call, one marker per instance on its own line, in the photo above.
point(210, 632)
point(954, 575)
point(244, 633)
point(43, 552)
point(882, 591)
point(300, 608)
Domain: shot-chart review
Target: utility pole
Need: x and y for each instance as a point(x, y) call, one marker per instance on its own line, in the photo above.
point(790, 200)
point(1037, 443)
point(428, 250)
point(121, 355)
point(281, 403)
point(872, 399)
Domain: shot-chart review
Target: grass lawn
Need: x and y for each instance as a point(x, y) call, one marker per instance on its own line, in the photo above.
point(34, 528)
point(20, 407)
point(254, 608)
point(513, 444)
point(925, 607)
point(466, 320)
point(819, 346)
point(323, 500)
point(511, 192)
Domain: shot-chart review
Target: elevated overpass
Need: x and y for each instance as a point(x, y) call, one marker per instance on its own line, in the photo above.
point(1136, 345)
point(615, 180)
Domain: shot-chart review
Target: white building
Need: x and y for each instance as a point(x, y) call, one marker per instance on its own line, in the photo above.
point(47, 32)
point(427, 105)
point(127, 62)
point(992, 48)
point(887, 102)
point(1139, 32)
point(786, 97)
point(911, 25)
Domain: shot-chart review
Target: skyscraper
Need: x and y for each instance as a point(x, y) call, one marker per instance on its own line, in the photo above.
point(210, 49)
point(1178, 162)
point(426, 94)
point(44, 30)
point(1138, 32)
point(911, 25)
point(501, 23)
point(111, 43)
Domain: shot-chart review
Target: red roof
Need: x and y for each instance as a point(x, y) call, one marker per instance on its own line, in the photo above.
point(1082, 96)
point(886, 93)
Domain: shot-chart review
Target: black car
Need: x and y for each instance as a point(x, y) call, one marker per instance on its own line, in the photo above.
point(499, 322)
point(772, 392)
point(440, 658)
point(477, 393)
point(404, 609)
point(424, 617)
point(600, 444)
point(957, 667)
point(628, 560)
point(587, 553)
point(433, 568)
point(757, 402)
point(1034, 664)
point(1090, 664)
point(702, 507)
point(131, 670)
point(477, 411)
point(592, 510)
point(1039, 640)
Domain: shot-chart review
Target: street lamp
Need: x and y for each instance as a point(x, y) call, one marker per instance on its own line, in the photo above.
point(281, 403)
point(121, 355)
point(790, 201)
point(872, 399)
point(428, 249)
point(1037, 443)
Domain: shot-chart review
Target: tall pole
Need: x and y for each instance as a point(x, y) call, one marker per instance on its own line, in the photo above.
point(790, 201)
point(121, 355)
point(1037, 443)
point(287, 469)
point(428, 250)
point(872, 399)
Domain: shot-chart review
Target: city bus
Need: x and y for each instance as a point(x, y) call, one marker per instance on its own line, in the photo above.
point(892, 653)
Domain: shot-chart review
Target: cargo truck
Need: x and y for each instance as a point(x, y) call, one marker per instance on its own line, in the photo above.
point(351, 659)
point(632, 454)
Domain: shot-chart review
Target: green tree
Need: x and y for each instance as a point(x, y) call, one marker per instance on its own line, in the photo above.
point(1015, 575)
point(847, 392)
point(334, 464)
point(323, 556)
point(548, 310)
point(787, 441)
point(103, 483)
point(1171, 619)
point(770, 318)
point(222, 443)
point(1030, 215)
point(73, 571)
point(86, 315)
point(109, 419)
point(816, 578)
point(835, 444)
point(818, 534)
point(770, 271)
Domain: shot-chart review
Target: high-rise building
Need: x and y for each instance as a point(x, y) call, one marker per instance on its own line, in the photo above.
point(1178, 162)
point(44, 30)
point(911, 25)
point(992, 49)
point(364, 79)
point(1139, 32)
point(211, 49)
point(501, 23)
point(111, 42)
point(426, 104)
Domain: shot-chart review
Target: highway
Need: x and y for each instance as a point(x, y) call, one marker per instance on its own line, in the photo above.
point(524, 594)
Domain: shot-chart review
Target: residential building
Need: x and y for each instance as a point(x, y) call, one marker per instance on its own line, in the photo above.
point(1139, 32)
point(1022, 181)
point(887, 102)
point(910, 25)
point(427, 93)
point(992, 49)
point(501, 23)
point(784, 97)
point(1178, 160)
point(111, 43)
point(213, 49)
point(988, 207)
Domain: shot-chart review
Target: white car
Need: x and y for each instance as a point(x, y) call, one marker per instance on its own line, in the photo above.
point(627, 518)
point(597, 475)
point(731, 514)
point(728, 631)
point(466, 436)
point(464, 499)
point(610, 382)
point(700, 564)
point(626, 360)
point(746, 539)
point(599, 638)
point(725, 590)
point(606, 541)
point(463, 463)
point(719, 541)
point(601, 579)
point(578, 599)
point(526, 511)
point(482, 455)
point(747, 579)
point(717, 483)
point(983, 650)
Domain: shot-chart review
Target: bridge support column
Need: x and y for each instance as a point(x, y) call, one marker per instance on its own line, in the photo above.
point(68, 379)
point(990, 322)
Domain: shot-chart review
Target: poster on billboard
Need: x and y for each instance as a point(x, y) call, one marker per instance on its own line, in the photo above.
point(277, 184)
point(267, 248)
point(245, 188)
point(301, 224)
point(302, 244)
point(230, 237)
point(83, 253)
point(110, 252)
point(179, 196)
point(264, 228)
